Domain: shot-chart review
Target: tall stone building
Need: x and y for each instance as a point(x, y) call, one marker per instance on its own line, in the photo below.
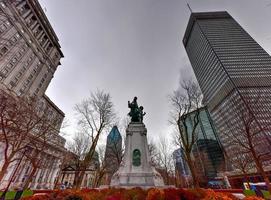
point(234, 74)
point(113, 153)
point(29, 56)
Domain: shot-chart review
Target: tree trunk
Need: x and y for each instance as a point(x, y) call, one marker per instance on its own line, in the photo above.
point(260, 169)
point(76, 175)
point(86, 162)
point(265, 177)
point(192, 170)
point(99, 174)
point(95, 180)
point(4, 169)
point(246, 179)
point(79, 178)
point(29, 180)
point(57, 180)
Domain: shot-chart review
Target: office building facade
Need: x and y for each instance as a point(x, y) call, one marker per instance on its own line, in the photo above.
point(234, 74)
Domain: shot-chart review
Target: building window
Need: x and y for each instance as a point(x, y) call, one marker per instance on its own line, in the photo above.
point(4, 71)
point(36, 91)
point(37, 31)
point(24, 9)
point(18, 35)
point(14, 60)
point(9, 65)
point(2, 4)
point(22, 50)
point(3, 51)
point(31, 21)
point(13, 83)
point(14, 39)
point(3, 27)
point(49, 47)
point(7, 23)
point(19, 54)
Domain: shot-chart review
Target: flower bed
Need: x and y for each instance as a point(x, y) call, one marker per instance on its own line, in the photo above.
point(135, 194)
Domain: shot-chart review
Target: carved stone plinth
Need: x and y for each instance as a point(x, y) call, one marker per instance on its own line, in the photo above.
point(135, 169)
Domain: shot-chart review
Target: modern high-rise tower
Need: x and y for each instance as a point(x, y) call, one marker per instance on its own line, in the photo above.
point(234, 74)
point(113, 153)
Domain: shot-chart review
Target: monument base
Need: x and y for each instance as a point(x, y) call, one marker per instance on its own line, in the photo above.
point(135, 169)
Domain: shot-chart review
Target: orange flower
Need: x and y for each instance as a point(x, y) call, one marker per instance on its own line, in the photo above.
point(253, 198)
point(155, 194)
point(212, 195)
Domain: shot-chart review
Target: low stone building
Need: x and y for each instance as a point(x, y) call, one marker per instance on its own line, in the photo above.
point(70, 167)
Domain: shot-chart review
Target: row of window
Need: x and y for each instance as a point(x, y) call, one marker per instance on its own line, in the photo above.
point(9, 67)
point(9, 44)
point(241, 48)
point(16, 57)
point(4, 26)
point(28, 81)
point(208, 70)
point(33, 24)
point(15, 80)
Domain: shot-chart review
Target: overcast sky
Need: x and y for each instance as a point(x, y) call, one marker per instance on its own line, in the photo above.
point(134, 48)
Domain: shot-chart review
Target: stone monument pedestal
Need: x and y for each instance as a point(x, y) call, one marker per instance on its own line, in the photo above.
point(135, 169)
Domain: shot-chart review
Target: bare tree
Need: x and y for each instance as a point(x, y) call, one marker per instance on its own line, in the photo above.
point(247, 133)
point(22, 126)
point(100, 171)
point(95, 115)
point(242, 162)
point(184, 101)
point(39, 141)
point(79, 146)
point(153, 152)
point(164, 161)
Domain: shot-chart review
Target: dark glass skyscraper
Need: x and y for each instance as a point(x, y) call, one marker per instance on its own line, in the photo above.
point(207, 151)
point(234, 73)
point(113, 152)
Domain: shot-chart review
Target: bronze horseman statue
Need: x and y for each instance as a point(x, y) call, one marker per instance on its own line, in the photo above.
point(136, 113)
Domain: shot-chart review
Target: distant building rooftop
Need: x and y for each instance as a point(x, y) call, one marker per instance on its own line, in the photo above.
point(202, 15)
point(114, 135)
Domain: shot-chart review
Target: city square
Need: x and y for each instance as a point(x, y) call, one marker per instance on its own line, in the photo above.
point(151, 100)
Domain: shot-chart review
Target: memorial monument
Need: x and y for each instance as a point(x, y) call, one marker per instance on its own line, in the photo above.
point(135, 169)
